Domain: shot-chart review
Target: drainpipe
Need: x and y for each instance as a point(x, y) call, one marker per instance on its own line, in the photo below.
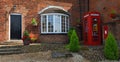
point(80, 28)
point(81, 3)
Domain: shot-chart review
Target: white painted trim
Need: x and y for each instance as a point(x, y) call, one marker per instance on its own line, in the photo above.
point(54, 14)
point(9, 29)
point(10, 24)
point(54, 32)
point(41, 23)
point(15, 14)
point(53, 23)
point(58, 7)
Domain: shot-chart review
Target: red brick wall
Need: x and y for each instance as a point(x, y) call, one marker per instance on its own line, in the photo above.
point(2, 21)
point(54, 38)
point(29, 9)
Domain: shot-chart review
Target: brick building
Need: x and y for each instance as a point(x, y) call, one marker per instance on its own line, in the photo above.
point(16, 16)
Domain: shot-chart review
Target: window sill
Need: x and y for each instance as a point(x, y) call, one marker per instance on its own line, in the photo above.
point(53, 33)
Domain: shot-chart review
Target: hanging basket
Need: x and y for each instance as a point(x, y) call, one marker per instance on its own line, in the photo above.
point(113, 16)
point(34, 22)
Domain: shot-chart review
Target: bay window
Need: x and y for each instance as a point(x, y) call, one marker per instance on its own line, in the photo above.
point(54, 23)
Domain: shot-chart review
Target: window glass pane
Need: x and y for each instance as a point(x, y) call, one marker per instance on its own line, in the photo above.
point(50, 23)
point(63, 23)
point(44, 22)
point(67, 24)
point(57, 23)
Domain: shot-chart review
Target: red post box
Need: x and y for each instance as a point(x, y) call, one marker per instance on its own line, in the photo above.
point(92, 29)
point(105, 31)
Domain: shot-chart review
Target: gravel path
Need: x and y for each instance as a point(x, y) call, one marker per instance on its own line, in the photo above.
point(78, 58)
point(40, 57)
point(33, 57)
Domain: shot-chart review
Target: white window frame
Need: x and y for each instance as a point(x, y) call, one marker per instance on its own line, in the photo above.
point(53, 23)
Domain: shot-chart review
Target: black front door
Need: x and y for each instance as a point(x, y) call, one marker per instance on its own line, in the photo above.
point(15, 27)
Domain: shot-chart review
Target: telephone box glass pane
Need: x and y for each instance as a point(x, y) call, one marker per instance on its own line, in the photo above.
point(95, 29)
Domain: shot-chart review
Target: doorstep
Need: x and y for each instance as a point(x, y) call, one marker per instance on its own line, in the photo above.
point(11, 43)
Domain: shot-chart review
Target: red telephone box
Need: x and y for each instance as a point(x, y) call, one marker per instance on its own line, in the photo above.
point(92, 28)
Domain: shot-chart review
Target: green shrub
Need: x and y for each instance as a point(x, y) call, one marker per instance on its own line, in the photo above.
point(70, 32)
point(111, 48)
point(74, 42)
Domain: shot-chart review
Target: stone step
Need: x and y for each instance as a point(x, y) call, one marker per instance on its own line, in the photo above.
point(9, 49)
point(10, 52)
point(14, 42)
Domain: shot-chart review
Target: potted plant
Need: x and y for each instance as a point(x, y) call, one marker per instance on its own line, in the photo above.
point(33, 38)
point(34, 22)
point(26, 38)
point(113, 14)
